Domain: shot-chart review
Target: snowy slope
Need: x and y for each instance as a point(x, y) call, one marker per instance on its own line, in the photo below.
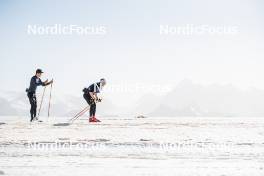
point(126, 146)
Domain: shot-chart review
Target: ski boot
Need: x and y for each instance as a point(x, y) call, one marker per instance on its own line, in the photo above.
point(93, 119)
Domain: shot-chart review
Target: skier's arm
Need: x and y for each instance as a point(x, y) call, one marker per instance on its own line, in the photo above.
point(93, 95)
point(38, 82)
point(97, 99)
point(42, 83)
point(46, 83)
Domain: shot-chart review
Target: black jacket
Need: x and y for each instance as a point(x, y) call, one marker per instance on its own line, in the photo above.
point(34, 83)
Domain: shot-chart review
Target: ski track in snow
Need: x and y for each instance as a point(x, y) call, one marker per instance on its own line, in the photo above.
point(134, 147)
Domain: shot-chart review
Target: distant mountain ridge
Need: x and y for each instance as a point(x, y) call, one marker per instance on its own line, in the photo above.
point(190, 99)
point(17, 103)
point(186, 99)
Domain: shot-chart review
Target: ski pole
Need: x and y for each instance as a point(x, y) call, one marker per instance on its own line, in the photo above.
point(41, 101)
point(50, 99)
point(83, 112)
point(80, 113)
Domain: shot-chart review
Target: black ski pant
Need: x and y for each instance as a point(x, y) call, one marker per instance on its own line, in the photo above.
point(33, 102)
point(91, 103)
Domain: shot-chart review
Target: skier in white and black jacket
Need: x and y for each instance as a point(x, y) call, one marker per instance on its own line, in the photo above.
point(90, 95)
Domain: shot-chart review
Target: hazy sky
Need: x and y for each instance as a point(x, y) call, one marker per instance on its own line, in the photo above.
point(132, 51)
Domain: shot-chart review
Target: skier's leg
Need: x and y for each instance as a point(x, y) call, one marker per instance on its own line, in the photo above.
point(94, 109)
point(91, 111)
point(30, 97)
point(85, 96)
point(35, 106)
point(92, 104)
point(32, 112)
point(88, 100)
point(97, 120)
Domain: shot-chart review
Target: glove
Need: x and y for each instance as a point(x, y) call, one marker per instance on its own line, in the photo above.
point(98, 100)
point(92, 101)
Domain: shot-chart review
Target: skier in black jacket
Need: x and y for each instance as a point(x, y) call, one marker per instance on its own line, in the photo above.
point(31, 92)
point(90, 95)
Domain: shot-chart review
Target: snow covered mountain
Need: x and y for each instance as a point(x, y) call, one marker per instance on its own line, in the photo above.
point(190, 99)
point(186, 99)
point(16, 103)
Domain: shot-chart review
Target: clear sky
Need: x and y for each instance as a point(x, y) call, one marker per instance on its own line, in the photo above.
point(132, 51)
